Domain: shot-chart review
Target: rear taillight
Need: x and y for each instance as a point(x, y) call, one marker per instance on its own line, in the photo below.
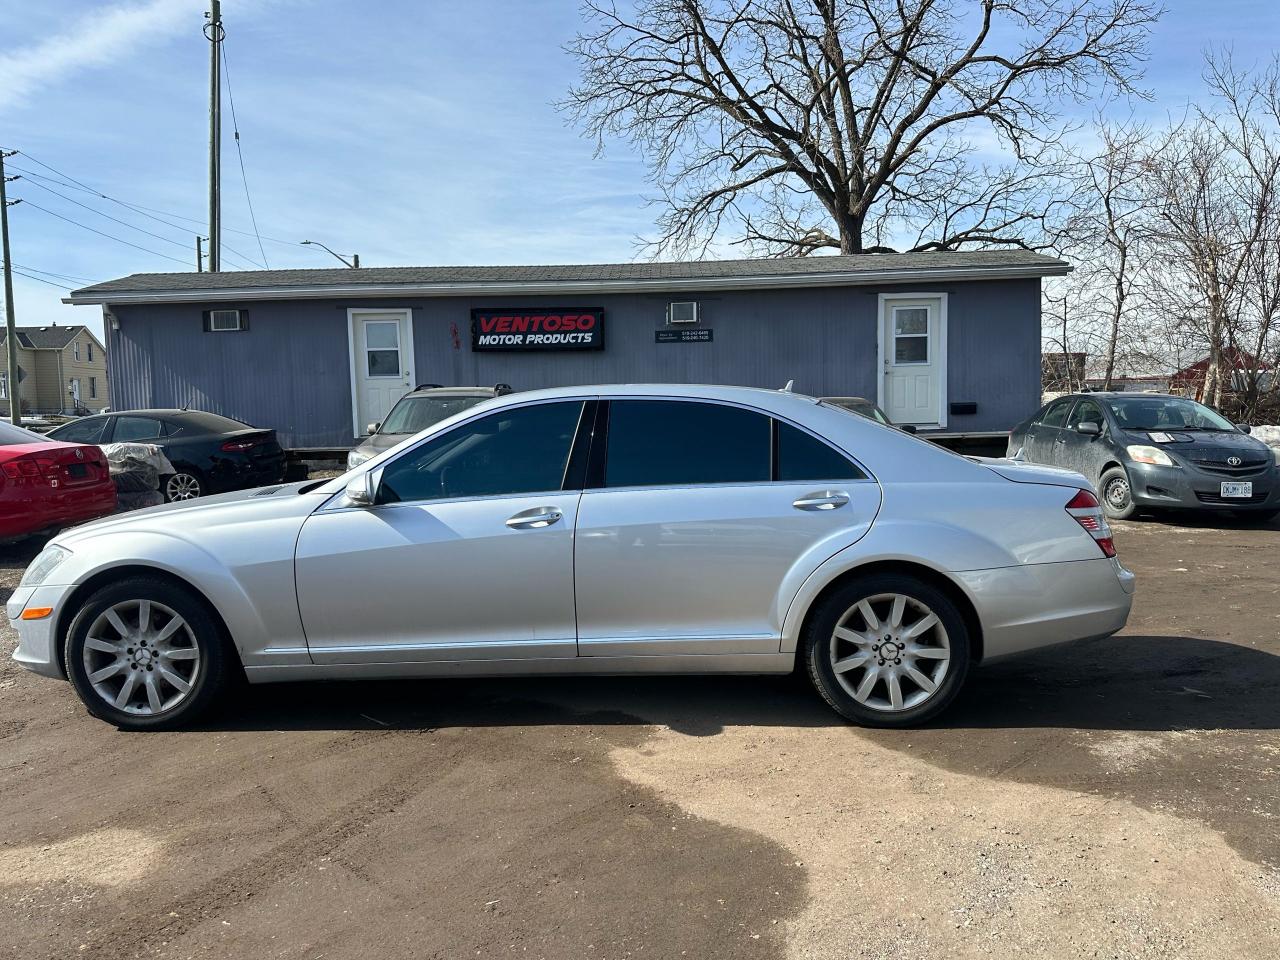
point(31, 470)
point(239, 446)
point(1087, 512)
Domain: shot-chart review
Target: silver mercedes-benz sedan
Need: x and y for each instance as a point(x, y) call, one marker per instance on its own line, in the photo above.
point(620, 529)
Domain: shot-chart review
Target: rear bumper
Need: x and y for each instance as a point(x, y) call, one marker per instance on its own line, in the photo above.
point(20, 517)
point(1189, 488)
point(1038, 605)
point(227, 474)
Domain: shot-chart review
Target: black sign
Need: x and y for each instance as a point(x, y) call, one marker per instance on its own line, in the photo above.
point(701, 335)
point(537, 328)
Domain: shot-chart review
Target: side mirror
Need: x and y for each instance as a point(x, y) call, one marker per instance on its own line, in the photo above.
point(908, 428)
point(1089, 428)
point(1244, 428)
point(372, 428)
point(360, 491)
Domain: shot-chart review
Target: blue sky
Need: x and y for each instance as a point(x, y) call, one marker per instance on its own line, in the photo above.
point(409, 132)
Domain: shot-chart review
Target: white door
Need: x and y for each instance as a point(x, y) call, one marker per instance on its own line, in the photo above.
point(75, 393)
point(913, 353)
point(382, 364)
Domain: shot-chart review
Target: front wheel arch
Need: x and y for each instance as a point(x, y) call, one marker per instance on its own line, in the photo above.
point(76, 599)
point(954, 593)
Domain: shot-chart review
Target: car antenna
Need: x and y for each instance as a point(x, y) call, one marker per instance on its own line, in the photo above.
point(787, 388)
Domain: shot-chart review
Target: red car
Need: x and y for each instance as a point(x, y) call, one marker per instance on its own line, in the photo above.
point(45, 484)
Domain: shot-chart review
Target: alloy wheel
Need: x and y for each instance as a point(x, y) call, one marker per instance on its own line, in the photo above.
point(141, 657)
point(890, 652)
point(182, 486)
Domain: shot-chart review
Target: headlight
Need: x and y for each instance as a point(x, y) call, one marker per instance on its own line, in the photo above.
point(44, 565)
point(355, 458)
point(1145, 454)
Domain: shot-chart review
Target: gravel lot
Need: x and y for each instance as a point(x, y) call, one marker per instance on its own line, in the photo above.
point(1111, 799)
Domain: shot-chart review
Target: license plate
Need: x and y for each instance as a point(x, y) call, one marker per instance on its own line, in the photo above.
point(77, 471)
point(1237, 490)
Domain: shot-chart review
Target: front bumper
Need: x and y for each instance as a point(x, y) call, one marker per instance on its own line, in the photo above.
point(1188, 487)
point(1038, 605)
point(37, 639)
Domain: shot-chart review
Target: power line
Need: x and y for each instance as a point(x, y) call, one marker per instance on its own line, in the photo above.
point(33, 177)
point(70, 182)
point(235, 129)
point(31, 276)
point(85, 226)
point(50, 273)
point(108, 216)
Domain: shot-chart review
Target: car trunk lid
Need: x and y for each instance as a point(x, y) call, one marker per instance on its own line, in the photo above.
point(1020, 472)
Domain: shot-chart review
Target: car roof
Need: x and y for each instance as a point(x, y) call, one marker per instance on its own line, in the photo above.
point(759, 397)
point(453, 392)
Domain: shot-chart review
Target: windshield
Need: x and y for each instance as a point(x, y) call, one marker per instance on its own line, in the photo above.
point(863, 408)
point(10, 435)
point(1166, 413)
point(412, 414)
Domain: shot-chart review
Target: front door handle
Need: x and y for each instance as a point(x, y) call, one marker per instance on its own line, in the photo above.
point(534, 519)
point(822, 500)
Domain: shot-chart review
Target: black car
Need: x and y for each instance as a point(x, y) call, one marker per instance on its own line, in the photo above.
point(209, 453)
point(1149, 451)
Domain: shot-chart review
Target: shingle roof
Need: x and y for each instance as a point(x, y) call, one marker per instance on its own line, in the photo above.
point(968, 264)
point(44, 338)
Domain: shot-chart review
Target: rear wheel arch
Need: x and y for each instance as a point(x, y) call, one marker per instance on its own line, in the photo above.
point(103, 578)
point(925, 574)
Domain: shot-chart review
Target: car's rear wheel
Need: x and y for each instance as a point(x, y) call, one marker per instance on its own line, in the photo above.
point(146, 654)
point(888, 650)
point(1117, 497)
point(183, 485)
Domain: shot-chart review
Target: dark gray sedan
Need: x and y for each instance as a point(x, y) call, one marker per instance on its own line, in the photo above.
point(1151, 451)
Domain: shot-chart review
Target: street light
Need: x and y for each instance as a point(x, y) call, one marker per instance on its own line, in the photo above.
point(353, 263)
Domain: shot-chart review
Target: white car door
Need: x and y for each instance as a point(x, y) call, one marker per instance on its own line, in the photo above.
point(700, 525)
point(467, 553)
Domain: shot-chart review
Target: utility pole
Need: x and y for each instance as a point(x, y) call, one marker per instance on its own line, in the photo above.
point(214, 33)
point(199, 255)
point(14, 387)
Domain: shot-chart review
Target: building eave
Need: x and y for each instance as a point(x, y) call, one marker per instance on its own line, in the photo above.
point(566, 287)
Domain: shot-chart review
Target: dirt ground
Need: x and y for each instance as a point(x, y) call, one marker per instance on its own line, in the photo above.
point(1110, 799)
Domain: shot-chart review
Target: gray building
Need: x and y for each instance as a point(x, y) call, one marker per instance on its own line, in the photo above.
point(948, 341)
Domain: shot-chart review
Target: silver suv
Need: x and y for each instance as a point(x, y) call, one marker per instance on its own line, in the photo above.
point(418, 409)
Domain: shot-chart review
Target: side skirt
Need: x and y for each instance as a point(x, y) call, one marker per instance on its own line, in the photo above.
point(747, 663)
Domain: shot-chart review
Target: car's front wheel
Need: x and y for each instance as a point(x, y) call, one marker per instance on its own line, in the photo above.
point(146, 654)
point(1117, 497)
point(888, 650)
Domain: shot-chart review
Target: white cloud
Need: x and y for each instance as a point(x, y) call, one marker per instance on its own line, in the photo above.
point(104, 36)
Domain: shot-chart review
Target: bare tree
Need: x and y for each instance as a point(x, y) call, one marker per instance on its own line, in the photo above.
point(1216, 182)
point(854, 125)
point(1104, 238)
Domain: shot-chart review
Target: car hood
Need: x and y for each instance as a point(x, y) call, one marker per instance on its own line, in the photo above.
point(1020, 472)
point(187, 515)
point(382, 441)
point(1203, 445)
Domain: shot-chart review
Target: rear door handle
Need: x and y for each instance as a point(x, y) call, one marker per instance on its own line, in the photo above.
point(822, 500)
point(534, 519)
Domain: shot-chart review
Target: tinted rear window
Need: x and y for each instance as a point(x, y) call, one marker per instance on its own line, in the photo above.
point(198, 421)
point(11, 435)
point(670, 443)
point(802, 457)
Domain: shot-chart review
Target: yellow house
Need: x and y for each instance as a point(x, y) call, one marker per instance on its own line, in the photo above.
point(60, 370)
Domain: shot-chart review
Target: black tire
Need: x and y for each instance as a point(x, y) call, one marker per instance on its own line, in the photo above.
point(210, 669)
point(1115, 483)
point(818, 646)
point(185, 484)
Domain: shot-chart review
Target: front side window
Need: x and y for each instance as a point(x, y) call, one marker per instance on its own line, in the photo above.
point(803, 457)
point(678, 443)
point(136, 428)
point(88, 430)
point(511, 452)
point(1086, 411)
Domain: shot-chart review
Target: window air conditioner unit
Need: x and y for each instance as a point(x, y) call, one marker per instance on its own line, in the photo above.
point(685, 311)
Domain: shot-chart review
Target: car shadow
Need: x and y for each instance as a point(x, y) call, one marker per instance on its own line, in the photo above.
point(1203, 520)
point(1124, 683)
